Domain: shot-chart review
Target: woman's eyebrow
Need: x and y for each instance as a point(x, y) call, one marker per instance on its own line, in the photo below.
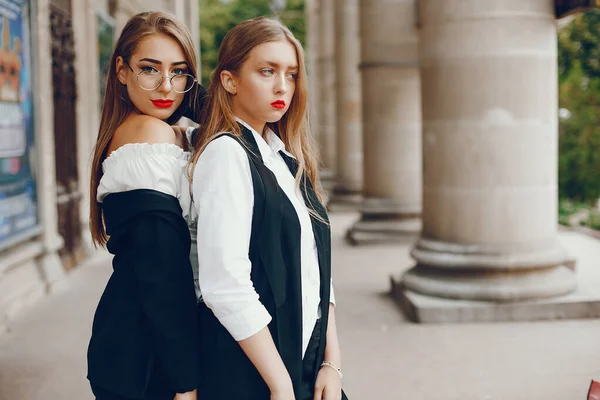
point(153, 61)
point(276, 65)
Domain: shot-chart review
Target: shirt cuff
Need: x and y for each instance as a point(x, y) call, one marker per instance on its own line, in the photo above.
point(247, 322)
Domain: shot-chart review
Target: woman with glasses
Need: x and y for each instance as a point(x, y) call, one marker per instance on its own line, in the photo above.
point(145, 330)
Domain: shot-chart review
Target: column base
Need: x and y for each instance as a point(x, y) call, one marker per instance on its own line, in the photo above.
point(343, 200)
point(385, 220)
point(513, 256)
point(379, 229)
point(53, 272)
point(491, 272)
point(454, 282)
point(327, 177)
point(485, 285)
point(421, 308)
point(50, 265)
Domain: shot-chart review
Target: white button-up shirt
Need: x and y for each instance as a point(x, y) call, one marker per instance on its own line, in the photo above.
point(223, 199)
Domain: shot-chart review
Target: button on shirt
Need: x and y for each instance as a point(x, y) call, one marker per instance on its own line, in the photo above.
point(224, 198)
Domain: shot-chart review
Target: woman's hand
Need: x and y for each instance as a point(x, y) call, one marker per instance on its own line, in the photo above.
point(328, 385)
point(186, 396)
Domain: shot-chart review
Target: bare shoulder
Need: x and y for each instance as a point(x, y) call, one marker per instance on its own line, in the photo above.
point(144, 129)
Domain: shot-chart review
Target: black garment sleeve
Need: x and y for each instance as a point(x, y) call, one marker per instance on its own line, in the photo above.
point(159, 250)
point(197, 98)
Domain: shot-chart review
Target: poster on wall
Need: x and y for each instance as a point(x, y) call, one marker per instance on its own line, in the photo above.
point(18, 210)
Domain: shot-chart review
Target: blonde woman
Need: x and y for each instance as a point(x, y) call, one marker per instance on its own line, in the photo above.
point(144, 342)
point(263, 238)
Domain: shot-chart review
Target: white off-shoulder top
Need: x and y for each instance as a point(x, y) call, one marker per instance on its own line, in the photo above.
point(157, 166)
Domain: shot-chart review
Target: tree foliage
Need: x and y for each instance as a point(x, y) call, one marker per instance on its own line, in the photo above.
point(217, 17)
point(579, 93)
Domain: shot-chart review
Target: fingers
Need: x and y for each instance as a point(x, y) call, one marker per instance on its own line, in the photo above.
point(332, 392)
point(318, 391)
point(329, 392)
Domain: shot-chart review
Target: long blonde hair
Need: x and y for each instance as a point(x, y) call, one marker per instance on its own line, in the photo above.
point(117, 104)
point(293, 128)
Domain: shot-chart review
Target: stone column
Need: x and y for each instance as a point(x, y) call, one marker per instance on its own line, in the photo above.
point(349, 171)
point(125, 10)
point(193, 21)
point(50, 265)
point(179, 9)
point(189, 13)
point(489, 87)
point(311, 9)
point(326, 80)
point(87, 107)
point(391, 121)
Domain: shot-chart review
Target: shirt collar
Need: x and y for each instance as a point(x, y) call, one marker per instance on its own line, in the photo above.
point(273, 144)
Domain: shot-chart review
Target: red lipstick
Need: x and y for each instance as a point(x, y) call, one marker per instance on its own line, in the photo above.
point(162, 103)
point(278, 104)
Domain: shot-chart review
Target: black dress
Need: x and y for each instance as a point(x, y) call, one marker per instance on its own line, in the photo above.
point(144, 342)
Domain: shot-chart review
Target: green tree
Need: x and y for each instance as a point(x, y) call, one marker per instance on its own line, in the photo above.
point(294, 18)
point(579, 93)
point(217, 17)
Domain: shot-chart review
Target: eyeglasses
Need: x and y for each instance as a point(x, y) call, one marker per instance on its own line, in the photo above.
point(152, 79)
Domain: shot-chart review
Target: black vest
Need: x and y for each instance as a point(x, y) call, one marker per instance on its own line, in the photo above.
point(226, 372)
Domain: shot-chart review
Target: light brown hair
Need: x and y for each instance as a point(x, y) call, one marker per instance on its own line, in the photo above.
point(217, 113)
point(117, 105)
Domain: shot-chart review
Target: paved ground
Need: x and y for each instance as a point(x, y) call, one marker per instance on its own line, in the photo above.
point(385, 357)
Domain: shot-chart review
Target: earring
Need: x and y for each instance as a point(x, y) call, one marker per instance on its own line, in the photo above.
point(124, 94)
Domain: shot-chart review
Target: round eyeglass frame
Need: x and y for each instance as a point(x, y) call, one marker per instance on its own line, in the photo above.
point(137, 79)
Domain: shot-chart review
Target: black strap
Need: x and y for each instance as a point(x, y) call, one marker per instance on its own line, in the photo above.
point(291, 162)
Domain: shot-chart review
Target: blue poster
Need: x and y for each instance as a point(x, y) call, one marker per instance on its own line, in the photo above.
point(18, 210)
